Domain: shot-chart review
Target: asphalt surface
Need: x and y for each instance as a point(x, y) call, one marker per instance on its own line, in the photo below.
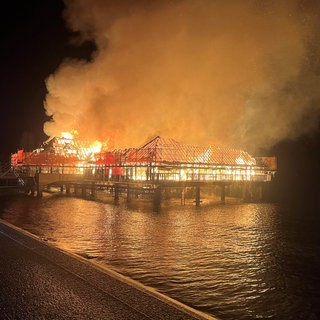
point(39, 281)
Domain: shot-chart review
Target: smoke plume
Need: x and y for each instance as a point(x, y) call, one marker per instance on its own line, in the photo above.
point(234, 73)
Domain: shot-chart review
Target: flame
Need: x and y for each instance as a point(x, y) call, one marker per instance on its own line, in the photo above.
point(96, 146)
point(68, 144)
point(67, 135)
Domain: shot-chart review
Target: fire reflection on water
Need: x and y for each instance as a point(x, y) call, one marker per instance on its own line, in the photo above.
point(226, 260)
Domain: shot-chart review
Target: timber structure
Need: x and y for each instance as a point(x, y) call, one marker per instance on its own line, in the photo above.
point(159, 165)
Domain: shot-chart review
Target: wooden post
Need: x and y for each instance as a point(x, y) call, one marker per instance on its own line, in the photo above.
point(157, 197)
point(116, 194)
point(223, 193)
point(128, 194)
point(198, 198)
point(167, 193)
point(37, 182)
point(83, 193)
point(93, 190)
point(183, 196)
point(260, 194)
point(68, 188)
point(256, 191)
point(247, 191)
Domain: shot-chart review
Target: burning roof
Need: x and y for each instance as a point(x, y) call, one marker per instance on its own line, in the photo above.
point(167, 150)
point(72, 152)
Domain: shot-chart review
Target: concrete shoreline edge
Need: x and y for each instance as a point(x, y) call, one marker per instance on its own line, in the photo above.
point(121, 287)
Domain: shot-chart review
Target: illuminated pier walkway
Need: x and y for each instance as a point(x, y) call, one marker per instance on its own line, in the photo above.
point(39, 281)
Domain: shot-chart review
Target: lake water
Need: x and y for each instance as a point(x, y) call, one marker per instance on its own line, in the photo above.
point(233, 261)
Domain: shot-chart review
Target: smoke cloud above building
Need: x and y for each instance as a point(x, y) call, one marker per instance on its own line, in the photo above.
point(242, 74)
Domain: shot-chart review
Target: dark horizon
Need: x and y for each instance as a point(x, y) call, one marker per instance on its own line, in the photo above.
point(35, 41)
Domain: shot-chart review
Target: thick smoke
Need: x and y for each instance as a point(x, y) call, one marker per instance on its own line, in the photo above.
point(234, 73)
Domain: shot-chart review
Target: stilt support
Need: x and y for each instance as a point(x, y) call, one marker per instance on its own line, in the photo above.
point(128, 194)
point(37, 182)
point(157, 197)
point(116, 195)
point(223, 193)
point(183, 196)
point(198, 198)
point(93, 191)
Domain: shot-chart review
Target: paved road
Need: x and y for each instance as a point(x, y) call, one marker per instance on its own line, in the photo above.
point(38, 281)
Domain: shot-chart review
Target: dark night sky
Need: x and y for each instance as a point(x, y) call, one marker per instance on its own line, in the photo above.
point(35, 41)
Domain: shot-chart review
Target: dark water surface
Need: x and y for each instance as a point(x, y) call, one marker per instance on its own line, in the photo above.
point(233, 261)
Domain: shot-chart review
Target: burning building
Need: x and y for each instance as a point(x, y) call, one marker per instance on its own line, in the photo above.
point(159, 160)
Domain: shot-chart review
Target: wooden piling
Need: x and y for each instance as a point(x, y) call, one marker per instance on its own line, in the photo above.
point(93, 191)
point(116, 194)
point(223, 193)
point(183, 196)
point(198, 198)
point(157, 197)
point(128, 194)
point(37, 184)
point(83, 191)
